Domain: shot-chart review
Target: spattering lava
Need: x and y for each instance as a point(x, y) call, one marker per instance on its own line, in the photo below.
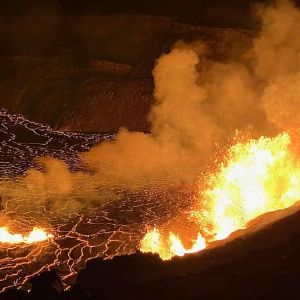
point(36, 235)
point(258, 176)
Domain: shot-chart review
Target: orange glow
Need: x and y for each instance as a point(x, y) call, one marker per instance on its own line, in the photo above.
point(258, 176)
point(173, 246)
point(36, 235)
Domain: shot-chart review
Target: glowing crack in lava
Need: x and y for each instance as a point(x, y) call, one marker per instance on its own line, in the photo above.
point(36, 235)
point(98, 231)
point(258, 176)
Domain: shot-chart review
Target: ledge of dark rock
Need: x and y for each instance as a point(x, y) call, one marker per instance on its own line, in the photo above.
point(94, 73)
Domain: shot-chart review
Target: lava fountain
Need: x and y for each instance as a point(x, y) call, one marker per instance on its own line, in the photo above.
point(257, 176)
point(34, 236)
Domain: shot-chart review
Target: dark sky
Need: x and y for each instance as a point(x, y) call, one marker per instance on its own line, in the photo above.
point(205, 12)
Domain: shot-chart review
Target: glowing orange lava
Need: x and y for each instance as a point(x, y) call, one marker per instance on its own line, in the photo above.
point(153, 242)
point(36, 235)
point(258, 176)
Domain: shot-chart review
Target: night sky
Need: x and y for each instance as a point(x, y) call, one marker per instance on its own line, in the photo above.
point(235, 13)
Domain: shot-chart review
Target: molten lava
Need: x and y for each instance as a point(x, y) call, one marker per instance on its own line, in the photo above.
point(173, 246)
point(36, 235)
point(258, 176)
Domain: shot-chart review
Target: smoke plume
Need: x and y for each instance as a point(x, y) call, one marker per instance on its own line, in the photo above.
point(199, 104)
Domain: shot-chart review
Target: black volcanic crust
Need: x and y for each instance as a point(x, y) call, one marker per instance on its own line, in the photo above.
point(265, 265)
point(22, 141)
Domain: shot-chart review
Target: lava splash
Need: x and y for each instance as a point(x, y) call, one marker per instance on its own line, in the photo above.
point(36, 235)
point(257, 176)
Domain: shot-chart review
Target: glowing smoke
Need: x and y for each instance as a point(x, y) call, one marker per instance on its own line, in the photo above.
point(199, 103)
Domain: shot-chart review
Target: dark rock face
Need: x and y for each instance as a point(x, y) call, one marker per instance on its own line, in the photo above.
point(46, 286)
point(93, 73)
point(15, 295)
point(261, 266)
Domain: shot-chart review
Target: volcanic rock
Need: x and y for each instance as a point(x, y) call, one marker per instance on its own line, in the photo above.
point(93, 73)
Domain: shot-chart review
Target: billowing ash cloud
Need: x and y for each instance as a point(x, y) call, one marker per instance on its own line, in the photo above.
point(198, 103)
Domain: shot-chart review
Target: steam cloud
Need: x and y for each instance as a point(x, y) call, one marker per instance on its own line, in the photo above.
point(199, 103)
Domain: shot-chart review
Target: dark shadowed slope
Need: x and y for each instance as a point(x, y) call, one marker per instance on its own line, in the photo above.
point(261, 266)
point(93, 73)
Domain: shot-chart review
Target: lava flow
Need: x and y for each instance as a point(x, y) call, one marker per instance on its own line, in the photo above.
point(258, 176)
